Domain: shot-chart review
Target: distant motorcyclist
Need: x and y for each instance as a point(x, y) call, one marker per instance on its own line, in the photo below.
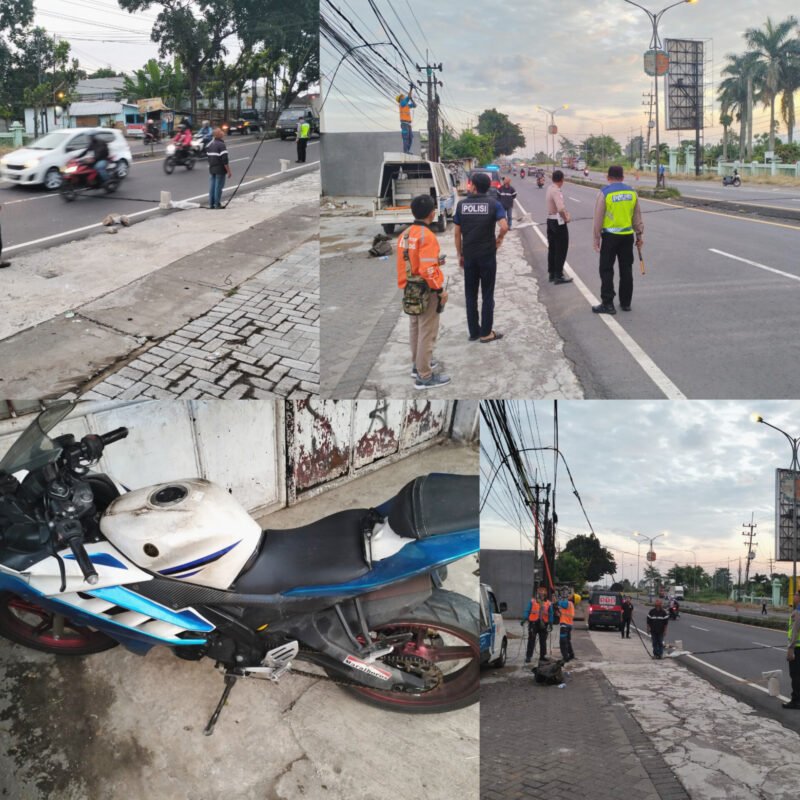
point(207, 133)
point(522, 174)
point(183, 139)
point(674, 609)
point(150, 132)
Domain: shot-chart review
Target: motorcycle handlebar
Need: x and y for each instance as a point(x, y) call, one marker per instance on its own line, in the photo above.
point(114, 436)
point(71, 532)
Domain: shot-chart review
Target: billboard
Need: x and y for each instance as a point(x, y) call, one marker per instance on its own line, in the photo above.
point(784, 519)
point(684, 84)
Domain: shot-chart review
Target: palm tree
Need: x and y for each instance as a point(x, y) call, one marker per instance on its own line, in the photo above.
point(789, 85)
point(774, 51)
point(725, 120)
point(736, 96)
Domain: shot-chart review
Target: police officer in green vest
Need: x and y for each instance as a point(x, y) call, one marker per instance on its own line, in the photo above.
point(793, 653)
point(303, 132)
point(617, 220)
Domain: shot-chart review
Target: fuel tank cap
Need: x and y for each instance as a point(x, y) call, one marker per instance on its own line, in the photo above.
point(169, 495)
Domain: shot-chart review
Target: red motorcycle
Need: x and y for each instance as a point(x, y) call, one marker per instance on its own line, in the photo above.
point(80, 174)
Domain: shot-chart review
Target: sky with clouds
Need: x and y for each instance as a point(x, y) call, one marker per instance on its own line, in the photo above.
point(520, 54)
point(693, 468)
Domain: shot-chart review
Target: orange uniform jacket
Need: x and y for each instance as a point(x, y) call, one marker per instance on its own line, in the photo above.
point(423, 251)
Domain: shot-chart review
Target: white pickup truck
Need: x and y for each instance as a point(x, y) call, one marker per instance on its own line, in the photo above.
point(402, 178)
point(494, 639)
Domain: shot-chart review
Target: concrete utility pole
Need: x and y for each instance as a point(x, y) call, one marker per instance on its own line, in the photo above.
point(750, 552)
point(648, 101)
point(535, 536)
point(434, 153)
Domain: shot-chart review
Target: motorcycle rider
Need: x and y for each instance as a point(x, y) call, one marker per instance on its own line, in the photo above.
point(99, 156)
point(150, 132)
point(207, 132)
point(182, 141)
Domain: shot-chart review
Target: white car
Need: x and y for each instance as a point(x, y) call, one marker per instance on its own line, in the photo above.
point(41, 162)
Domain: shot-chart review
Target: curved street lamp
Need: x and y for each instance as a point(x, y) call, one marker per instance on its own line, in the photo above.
point(655, 44)
point(552, 112)
point(650, 539)
point(794, 443)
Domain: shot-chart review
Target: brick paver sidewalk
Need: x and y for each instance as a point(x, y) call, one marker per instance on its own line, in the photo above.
point(261, 341)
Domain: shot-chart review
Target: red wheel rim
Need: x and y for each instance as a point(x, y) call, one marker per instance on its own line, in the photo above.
point(37, 626)
point(453, 651)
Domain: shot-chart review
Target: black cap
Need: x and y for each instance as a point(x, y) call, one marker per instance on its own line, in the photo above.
point(422, 205)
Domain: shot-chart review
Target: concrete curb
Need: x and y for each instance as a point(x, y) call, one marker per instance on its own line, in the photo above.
point(769, 622)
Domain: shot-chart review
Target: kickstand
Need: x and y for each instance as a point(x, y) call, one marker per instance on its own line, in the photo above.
point(230, 681)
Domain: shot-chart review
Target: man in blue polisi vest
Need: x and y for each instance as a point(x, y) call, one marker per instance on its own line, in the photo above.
point(617, 220)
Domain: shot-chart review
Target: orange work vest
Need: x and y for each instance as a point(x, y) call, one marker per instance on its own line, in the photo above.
point(535, 608)
point(405, 112)
point(567, 614)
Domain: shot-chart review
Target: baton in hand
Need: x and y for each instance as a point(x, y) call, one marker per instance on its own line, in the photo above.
point(641, 260)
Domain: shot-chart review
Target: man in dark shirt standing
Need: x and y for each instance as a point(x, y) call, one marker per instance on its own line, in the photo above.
point(475, 221)
point(627, 615)
point(507, 194)
point(657, 621)
point(218, 168)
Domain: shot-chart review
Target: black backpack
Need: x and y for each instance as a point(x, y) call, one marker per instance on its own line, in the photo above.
point(549, 673)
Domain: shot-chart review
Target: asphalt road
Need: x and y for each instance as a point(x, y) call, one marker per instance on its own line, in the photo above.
point(762, 650)
point(35, 218)
point(757, 194)
point(704, 323)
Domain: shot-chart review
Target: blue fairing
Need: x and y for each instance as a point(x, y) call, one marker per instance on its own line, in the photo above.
point(136, 641)
point(418, 557)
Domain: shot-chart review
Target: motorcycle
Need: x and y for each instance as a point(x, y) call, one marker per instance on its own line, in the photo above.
point(151, 137)
point(674, 612)
point(731, 180)
point(179, 157)
point(199, 145)
point(80, 174)
point(86, 564)
point(586, 173)
point(540, 181)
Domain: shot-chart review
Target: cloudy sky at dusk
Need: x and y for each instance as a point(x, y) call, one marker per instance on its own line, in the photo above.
point(522, 54)
point(695, 469)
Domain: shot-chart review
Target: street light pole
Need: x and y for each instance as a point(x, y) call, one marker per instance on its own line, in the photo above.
point(655, 44)
point(651, 540)
point(795, 444)
point(552, 112)
point(638, 553)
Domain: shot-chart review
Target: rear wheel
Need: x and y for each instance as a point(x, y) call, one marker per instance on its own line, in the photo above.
point(67, 191)
point(24, 622)
point(388, 228)
point(441, 223)
point(443, 649)
point(500, 661)
point(111, 185)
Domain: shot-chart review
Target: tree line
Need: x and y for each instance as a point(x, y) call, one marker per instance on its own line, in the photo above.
point(278, 45)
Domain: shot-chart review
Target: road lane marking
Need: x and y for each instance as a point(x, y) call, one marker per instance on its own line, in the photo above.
point(659, 378)
point(574, 199)
point(28, 199)
point(727, 216)
point(769, 646)
point(755, 264)
point(698, 628)
point(150, 210)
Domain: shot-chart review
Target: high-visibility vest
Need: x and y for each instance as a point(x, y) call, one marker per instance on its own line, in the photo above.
point(789, 632)
point(533, 616)
point(620, 203)
point(405, 110)
point(568, 613)
point(305, 130)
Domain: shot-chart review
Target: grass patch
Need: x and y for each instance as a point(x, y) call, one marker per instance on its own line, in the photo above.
point(761, 622)
point(659, 194)
point(232, 292)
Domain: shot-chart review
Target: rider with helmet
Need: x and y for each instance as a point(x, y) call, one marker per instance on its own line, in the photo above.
point(99, 155)
point(207, 133)
point(183, 139)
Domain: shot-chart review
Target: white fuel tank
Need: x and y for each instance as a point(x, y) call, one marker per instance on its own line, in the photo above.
point(192, 530)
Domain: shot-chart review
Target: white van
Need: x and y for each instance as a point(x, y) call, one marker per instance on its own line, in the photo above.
point(41, 162)
point(494, 639)
point(402, 178)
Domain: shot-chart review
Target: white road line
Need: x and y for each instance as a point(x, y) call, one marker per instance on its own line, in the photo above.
point(651, 369)
point(574, 199)
point(698, 628)
point(147, 210)
point(769, 646)
point(755, 264)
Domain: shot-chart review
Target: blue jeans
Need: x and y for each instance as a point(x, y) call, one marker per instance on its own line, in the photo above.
point(509, 214)
point(408, 136)
point(216, 183)
point(100, 166)
point(479, 276)
point(658, 643)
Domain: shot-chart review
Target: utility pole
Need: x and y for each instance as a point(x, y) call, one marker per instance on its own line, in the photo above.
point(535, 537)
point(750, 552)
point(433, 107)
point(648, 101)
point(548, 535)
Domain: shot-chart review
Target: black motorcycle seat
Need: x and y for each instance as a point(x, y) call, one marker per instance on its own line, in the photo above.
point(434, 504)
point(328, 551)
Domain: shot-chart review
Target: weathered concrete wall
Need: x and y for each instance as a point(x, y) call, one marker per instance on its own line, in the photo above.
point(350, 161)
point(510, 574)
point(466, 421)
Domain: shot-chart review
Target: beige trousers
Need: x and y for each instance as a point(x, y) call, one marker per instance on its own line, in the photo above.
point(423, 329)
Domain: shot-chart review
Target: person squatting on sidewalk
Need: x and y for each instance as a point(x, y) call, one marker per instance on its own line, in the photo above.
point(557, 232)
point(566, 618)
point(218, 168)
point(657, 621)
point(507, 194)
point(617, 216)
point(793, 653)
point(476, 245)
point(627, 615)
point(539, 616)
point(419, 266)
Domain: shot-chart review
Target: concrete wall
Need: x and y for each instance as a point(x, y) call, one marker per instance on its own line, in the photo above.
point(350, 161)
point(510, 574)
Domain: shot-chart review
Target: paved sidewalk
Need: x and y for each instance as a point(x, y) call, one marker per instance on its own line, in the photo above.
point(364, 334)
point(546, 743)
point(625, 725)
point(177, 285)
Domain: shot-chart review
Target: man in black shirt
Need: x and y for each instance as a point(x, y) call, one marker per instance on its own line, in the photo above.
point(627, 615)
point(99, 150)
point(657, 621)
point(476, 245)
point(218, 168)
point(506, 194)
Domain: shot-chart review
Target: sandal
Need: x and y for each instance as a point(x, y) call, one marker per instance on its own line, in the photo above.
point(493, 337)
